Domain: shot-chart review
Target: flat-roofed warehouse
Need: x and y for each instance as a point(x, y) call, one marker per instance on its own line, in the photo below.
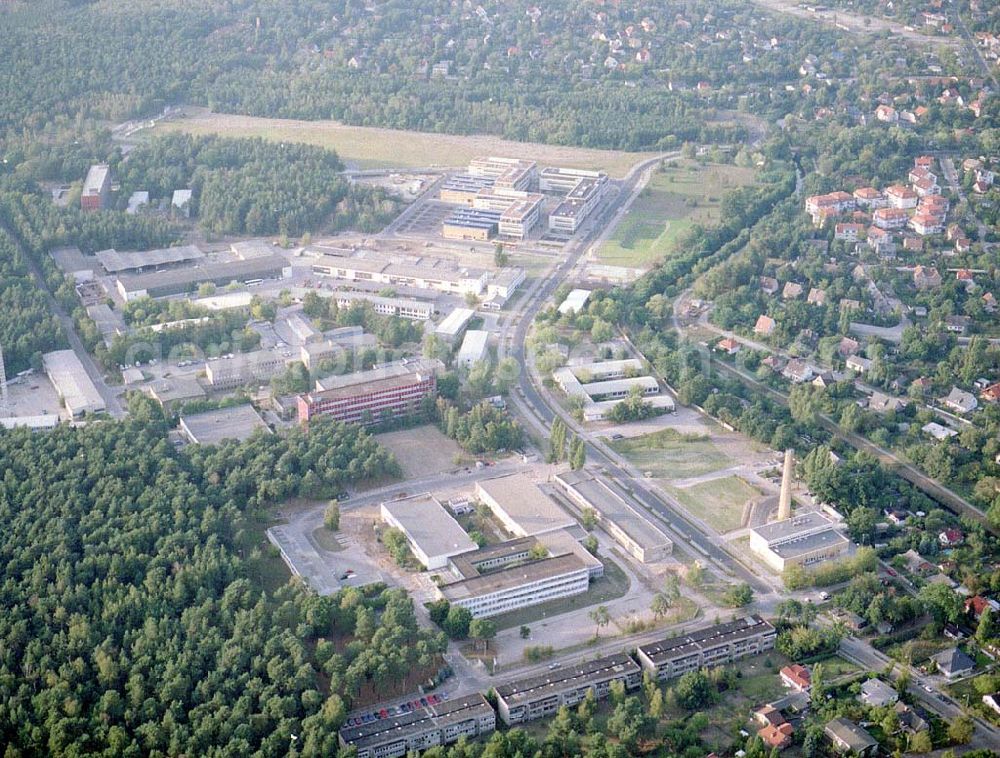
point(521, 506)
point(115, 263)
point(72, 383)
point(453, 325)
point(803, 540)
point(212, 427)
point(708, 646)
point(539, 696)
point(627, 525)
point(433, 534)
point(177, 281)
point(475, 347)
point(441, 724)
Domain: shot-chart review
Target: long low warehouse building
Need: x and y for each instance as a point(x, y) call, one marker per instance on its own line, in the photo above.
point(436, 724)
point(212, 427)
point(542, 695)
point(72, 383)
point(707, 647)
point(626, 523)
point(177, 281)
point(432, 532)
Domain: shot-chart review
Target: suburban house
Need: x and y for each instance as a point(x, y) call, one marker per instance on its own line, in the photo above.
point(859, 364)
point(951, 537)
point(776, 737)
point(960, 401)
point(797, 371)
point(926, 278)
point(953, 663)
point(791, 291)
point(848, 737)
point(816, 296)
point(728, 346)
point(890, 218)
point(796, 676)
point(877, 693)
point(764, 326)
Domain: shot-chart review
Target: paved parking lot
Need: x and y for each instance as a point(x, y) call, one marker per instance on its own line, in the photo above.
point(426, 219)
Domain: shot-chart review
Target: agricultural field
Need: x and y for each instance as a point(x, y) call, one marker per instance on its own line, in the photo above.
point(372, 148)
point(679, 196)
point(718, 502)
point(668, 454)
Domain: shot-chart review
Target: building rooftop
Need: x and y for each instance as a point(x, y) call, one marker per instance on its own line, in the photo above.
point(72, 381)
point(429, 525)
point(799, 524)
point(706, 637)
point(513, 577)
point(852, 735)
point(191, 275)
point(437, 716)
point(641, 530)
point(398, 372)
point(525, 504)
point(574, 301)
point(473, 346)
point(452, 324)
point(568, 678)
point(175, 389)
point(211, 427)
point(115, 262)
point(97, 175)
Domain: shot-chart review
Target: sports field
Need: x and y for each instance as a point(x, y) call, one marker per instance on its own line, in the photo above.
point(681, 195)
point(717, 502)
point(372, 148)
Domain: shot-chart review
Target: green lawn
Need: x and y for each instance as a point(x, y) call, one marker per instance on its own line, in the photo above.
point(674, 200)
point(718, 502)
point(667, 454)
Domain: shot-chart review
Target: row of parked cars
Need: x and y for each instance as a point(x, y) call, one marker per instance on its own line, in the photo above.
point(398, 710)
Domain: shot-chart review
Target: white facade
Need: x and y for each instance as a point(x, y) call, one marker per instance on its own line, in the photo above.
point(474, 348)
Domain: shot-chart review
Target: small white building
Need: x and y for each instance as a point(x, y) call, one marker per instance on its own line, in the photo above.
point(475, 347)
point(574, 301)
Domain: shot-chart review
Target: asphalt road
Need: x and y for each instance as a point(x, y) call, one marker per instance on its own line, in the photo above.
point(535, 406)
point(111, 401)
point(860, 652)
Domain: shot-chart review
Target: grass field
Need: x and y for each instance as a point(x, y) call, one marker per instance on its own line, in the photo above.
point(668, 454)
point(675, 199)
point(718, 502)
point(421, 451)
point(370, 147)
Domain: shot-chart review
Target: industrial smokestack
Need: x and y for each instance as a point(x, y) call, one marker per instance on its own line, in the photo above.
point(785, 498)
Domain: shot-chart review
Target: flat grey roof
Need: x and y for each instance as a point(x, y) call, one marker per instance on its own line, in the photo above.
point(525, 503)
point(97, 175)
point(513, 577)
point(417, 721)
point(191, 275)
point(394, 370)
point(706, 637)
point(115, 262)
point(644, 532)
point(72, 382)
point(807, 544)
point(793, 527)
point(211, 427)
point(429, 526)
point(569, 677)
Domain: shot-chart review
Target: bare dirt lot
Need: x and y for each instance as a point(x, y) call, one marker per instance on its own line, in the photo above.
point(422, 451)
point(369, 147)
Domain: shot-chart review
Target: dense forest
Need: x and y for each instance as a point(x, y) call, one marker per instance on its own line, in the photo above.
point(134, 622)
point(250, 186)
point(636, 76)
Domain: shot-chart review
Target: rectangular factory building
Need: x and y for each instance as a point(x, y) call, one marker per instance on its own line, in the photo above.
point(475, 347)
point(425, 727)
point(434, 536)
point(542, 695)
point(212, 427)
point(453, 325)
point(507, 173)
point(257, 367)
point(563, 180)
point(96, 188)
point(390, 391)
point(579, 203)
point(74, 386)
point(521, 506)
point(803, 540)
point(115, 263)
point(471, 224)
point(707, 647)
point(629, 526)
point(177, 281)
